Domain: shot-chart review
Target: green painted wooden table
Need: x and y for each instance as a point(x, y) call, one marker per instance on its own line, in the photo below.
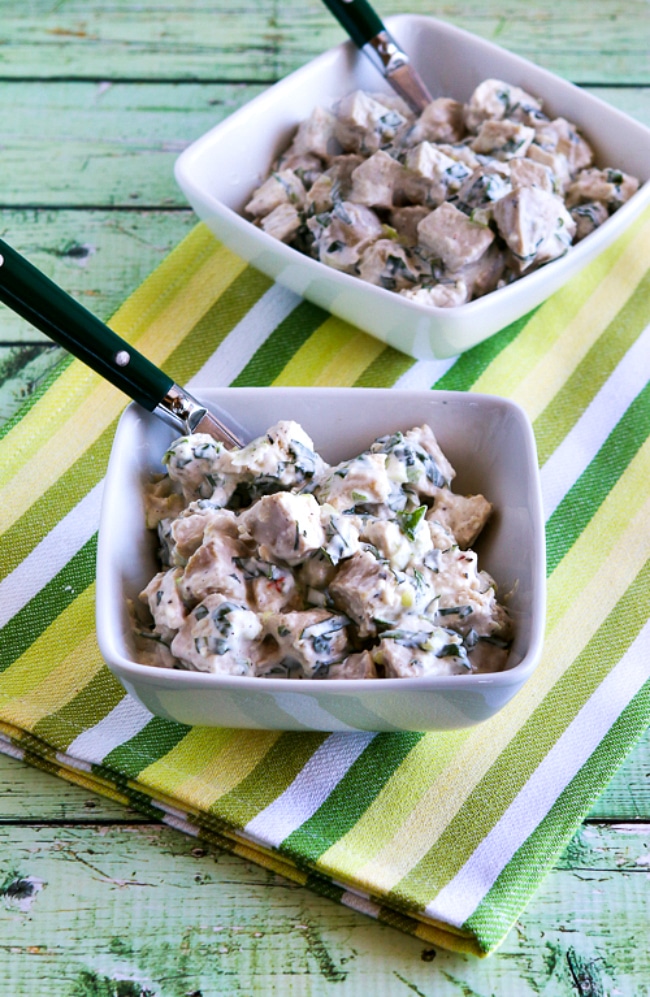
point(96, 100)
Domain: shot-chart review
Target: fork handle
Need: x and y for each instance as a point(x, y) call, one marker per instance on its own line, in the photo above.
point(358, 18)
point(46, 306)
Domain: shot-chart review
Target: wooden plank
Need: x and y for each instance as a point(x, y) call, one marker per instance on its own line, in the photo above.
point(104, 144)
point(265, 41)
point(28, 795)
point(627, 797)
point(115, 144)
point(99, 257)
point(135, 910)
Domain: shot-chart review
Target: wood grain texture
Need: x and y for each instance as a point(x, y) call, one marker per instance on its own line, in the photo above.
point(97, 98)
point(98, 257)
point(84, 910)
point(222, 40)
point(103, 144)
point(114, 144)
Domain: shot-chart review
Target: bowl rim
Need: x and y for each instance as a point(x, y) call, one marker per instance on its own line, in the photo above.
point(535, 288)
point(152, 675)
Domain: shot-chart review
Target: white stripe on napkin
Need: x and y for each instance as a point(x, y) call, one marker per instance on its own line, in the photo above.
point(241, 344)
point(7, 748)
point(182, 825)
point(124, 721)
point(423, 374)
point(51, 555)
point(582, 443)
point(362, 904)
point(458, 900)
point(309, 790)
point(73, 763)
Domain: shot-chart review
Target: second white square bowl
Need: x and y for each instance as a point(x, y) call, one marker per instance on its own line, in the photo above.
point(220, 170)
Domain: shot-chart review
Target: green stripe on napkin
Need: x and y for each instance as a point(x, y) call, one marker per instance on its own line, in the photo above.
point(444, 835)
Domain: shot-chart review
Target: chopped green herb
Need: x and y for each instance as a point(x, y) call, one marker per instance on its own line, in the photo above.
point(409, 521)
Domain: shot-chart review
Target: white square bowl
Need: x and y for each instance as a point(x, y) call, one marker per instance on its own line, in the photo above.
point(489, 441)
point(219, 171)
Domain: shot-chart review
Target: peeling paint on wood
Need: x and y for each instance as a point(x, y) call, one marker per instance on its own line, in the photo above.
point(97, 99)
point(142, 903)
point(265, 40)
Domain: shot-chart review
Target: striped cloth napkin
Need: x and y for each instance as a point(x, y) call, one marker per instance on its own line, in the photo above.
point(444, 835)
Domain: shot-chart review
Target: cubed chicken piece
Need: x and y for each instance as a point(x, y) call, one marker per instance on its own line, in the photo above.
point(180, 537)
point(341, 534)
point(369, 592)
point(213, 568)
point(561, 136)
point(466, 597)
point(461, 153)
point(163, 597)
point(587, 218)
point(487, 184)
point(405, 222)
point(431, 176)
point(286, 527)
point(151, 650)
point(403, 653)
point(274, 591)
point(441, 539)
point(494, 100)
point(449, 235)
point(316, 135)
point(219, 636)
point(283, 457)
point(535, 225)
point(321, 194)
point(610, 187)
point(375, 179)
point(162, 500)
point(201, 466)
point(403, 542)
point(341, 237)
point(365, 125)
point(282, 223)
point(441, 121)
point(484, 275)
point(426, 160)
point(528, 173)
point(315, 575)
point(423, 436)
point(306, 167)
point(394, 102)
point(313, 640)
point(445, 294)
point(415, 459)
point(387, 264)
point(463, 515)
point(555, 162)
point(333, 185)
point(361, 481)
point(355, 666)
point(269, 587)
point(489, 655)
point(503, 140)
point(281, 188)
point(219, 522)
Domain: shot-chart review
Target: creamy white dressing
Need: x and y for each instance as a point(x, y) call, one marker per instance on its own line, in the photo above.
point(274, 563)
point(442, 207)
